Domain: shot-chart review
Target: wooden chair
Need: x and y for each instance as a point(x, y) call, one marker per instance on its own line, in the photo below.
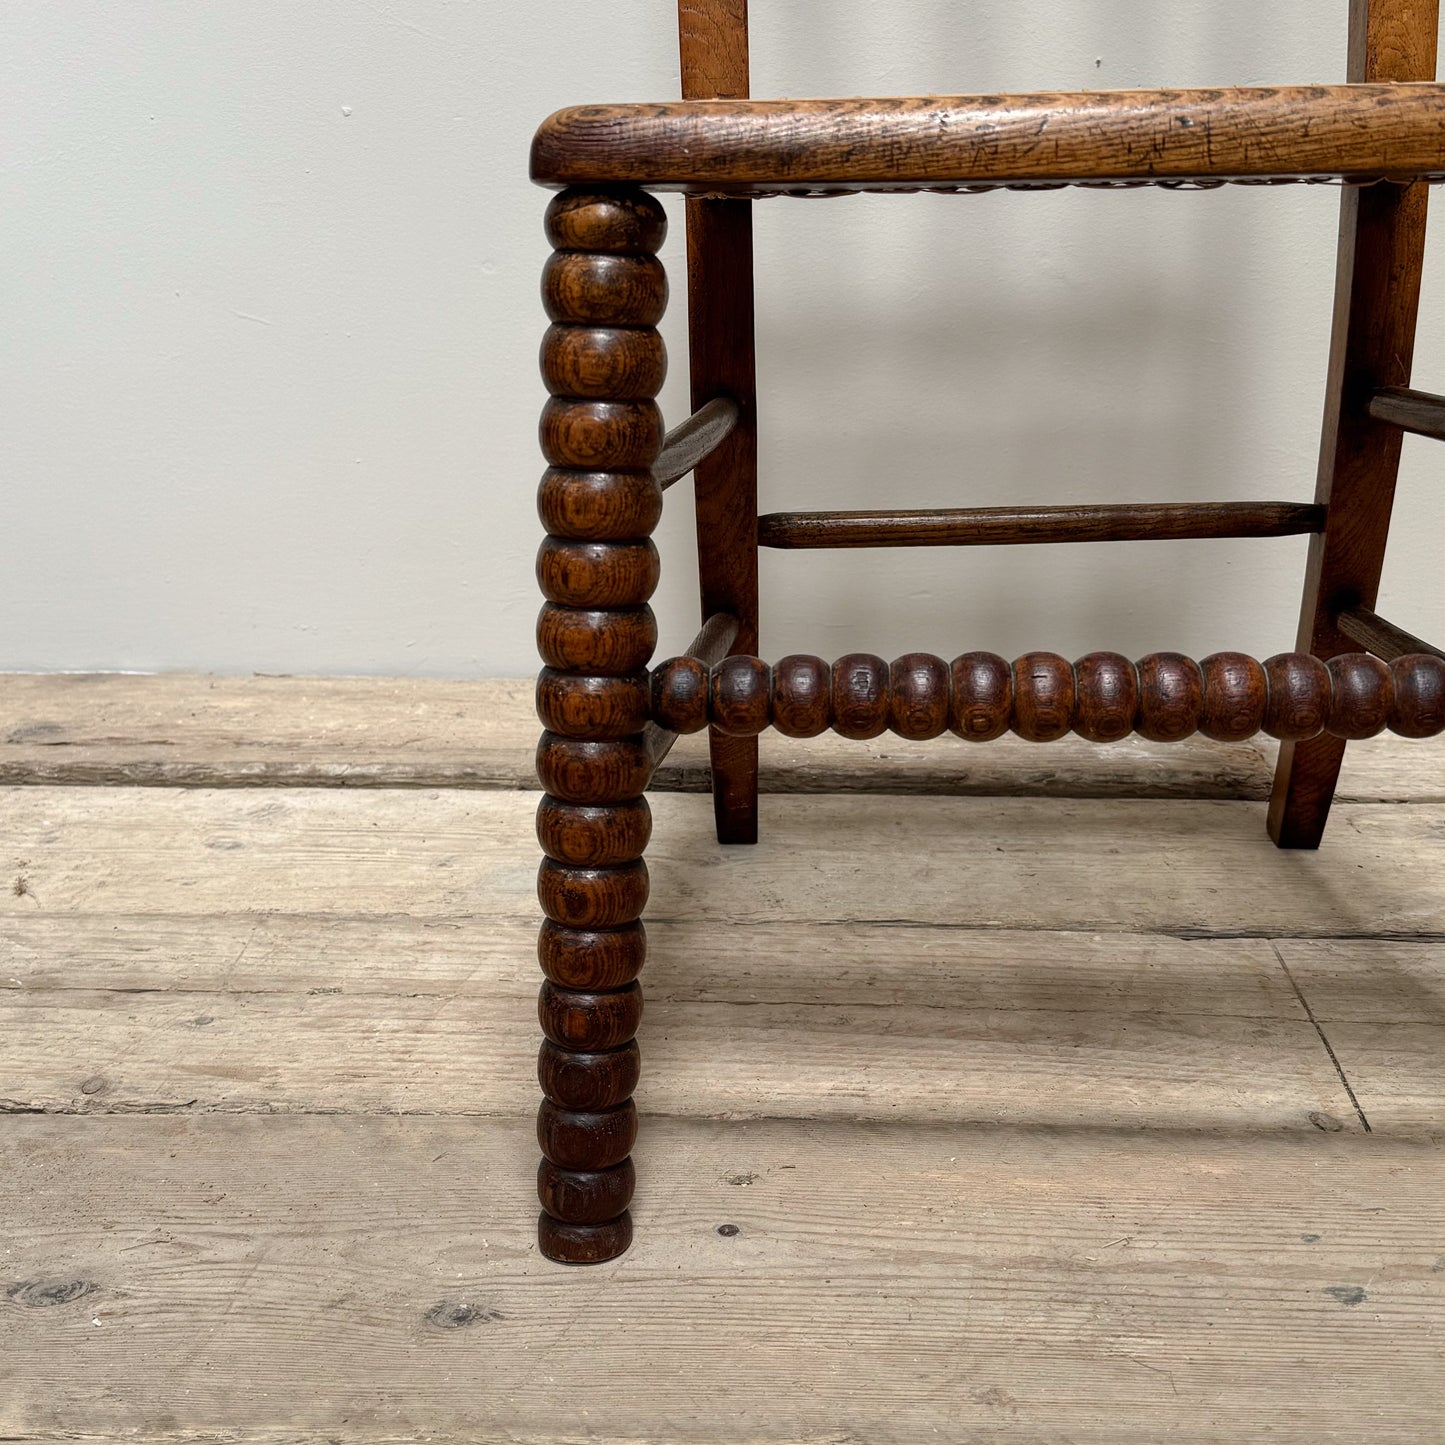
point(609, 722)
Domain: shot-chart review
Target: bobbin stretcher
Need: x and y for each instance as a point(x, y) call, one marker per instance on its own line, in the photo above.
point(609, 721)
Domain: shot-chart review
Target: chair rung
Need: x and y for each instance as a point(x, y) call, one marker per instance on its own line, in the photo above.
point(707, 649)
point(1102, 697)
point(1384, 639)
point(1003, 526)
point(694, 440)
point(1412, 411)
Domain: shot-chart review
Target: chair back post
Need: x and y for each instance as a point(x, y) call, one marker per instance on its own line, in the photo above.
point(1393, 40)
point(713, 44)
point(1377, 302)
point(712, 40)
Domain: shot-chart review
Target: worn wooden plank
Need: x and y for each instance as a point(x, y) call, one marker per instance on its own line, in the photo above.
point(1381, 1004)
point(1187, 868)
point(776, 1020)
point(184, 729)
point(483, 956)
point(82, 1052)
point(190, 730)
point(361, 1279)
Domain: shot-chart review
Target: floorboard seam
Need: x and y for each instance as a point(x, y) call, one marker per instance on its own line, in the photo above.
point(1329, 1048)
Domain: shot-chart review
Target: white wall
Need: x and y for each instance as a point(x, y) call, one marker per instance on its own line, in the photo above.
point(270, 315)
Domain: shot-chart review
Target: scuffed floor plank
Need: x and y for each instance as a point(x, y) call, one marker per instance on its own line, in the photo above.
point(373, 1277)
point(1381, 1004)
point(753, 963)
point(1037, 1122)
point(1124, 866)
point(282, 1013)
point(193, 730)
point(911, 1054)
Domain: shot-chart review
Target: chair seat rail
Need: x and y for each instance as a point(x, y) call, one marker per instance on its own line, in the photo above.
point(1356, 132)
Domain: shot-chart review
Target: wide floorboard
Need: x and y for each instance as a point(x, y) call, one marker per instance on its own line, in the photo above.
point(987, 1112)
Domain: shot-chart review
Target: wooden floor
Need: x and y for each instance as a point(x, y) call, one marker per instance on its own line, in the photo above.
point(990, 1110)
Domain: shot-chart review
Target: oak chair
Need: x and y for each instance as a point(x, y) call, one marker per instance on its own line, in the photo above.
point(609, 721)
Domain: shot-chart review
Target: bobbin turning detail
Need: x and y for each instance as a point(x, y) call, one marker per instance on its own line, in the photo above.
point(603, 363)
point(1041, 697)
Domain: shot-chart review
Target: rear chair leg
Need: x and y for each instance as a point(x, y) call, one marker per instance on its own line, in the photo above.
point(1382, 238)
point(1377, 300)
point(725, 485)
point(603, 362)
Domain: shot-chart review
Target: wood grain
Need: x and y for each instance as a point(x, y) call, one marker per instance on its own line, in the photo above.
point(713, 47)
point(1077, 1033)
point(278, 1042)
point(1029, 862)
point(1381, 1003)
point(372, 1279)
point(749, 147)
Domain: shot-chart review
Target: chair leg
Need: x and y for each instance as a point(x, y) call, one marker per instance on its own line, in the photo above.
point(725, 485)
point(603, 362)
point(1377, 300)
point(1381, 248)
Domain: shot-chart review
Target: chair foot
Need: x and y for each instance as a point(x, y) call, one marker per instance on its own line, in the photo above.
point(583, 1243)
point(734, 787)
point(1304, 788)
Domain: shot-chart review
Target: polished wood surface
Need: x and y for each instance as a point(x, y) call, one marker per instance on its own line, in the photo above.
point(599, 506)
point(1001, 526)
point(1043, 692)
point(603, 289)
point(1236, 697)
point(1240, 133)
point(918, 696)
point(603, 361)
point(860, 696)
point(601, 432)
point(1103, 697)
point(981, 694)
point(1107, 699)
point(603, 641)
point(1377, 296)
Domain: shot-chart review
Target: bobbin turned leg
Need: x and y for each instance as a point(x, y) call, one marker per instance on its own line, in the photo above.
point(603, 362)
